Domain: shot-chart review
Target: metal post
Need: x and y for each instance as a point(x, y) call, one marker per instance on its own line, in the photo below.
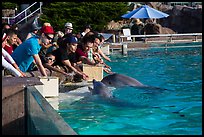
point(145, 40)
point(41, 3)
point(124, 49)
point(171, 39)
point(133, 39)
point(119, 38)
point(26, 15)
point(195, 37)
point(113, 38)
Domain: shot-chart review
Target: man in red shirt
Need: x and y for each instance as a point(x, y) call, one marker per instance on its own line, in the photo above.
point(11, 39)
point(83, 49)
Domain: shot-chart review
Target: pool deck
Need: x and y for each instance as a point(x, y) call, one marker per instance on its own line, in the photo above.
point(138, 45)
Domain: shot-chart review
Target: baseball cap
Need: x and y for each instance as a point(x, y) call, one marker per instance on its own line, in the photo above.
point(71, 39)
point(68, 25)
point(47, 30)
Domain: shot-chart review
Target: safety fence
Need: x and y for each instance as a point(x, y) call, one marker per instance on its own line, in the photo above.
point(24, 15)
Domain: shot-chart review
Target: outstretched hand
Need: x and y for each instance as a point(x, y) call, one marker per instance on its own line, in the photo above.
point(85, 77)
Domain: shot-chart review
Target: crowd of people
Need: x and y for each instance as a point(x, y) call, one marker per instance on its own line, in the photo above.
point(47, 50)
point(138, 27)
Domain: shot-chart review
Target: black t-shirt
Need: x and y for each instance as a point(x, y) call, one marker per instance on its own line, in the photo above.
point(57, 55)
point(61, 54)
point(72, 57)
point(42, 54)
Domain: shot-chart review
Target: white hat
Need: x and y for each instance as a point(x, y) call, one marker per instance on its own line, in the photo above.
point(69, 25)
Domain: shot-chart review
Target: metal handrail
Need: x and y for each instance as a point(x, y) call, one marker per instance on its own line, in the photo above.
point(21, 11)
point(161, 35)
point(24, 11)
point(28, 15)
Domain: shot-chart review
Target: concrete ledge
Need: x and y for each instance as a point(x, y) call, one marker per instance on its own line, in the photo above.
point(26, 112)
point(50, 87)
point(42, 118)
point(13, 104)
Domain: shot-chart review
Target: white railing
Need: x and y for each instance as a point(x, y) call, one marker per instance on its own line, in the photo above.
point(182, 3)
point(24, 15)
point(161, 35)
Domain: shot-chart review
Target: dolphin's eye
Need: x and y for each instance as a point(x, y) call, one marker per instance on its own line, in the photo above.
point(109, 83)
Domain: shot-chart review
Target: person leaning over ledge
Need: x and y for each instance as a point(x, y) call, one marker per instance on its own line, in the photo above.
point(27, 52)
point(8, 64)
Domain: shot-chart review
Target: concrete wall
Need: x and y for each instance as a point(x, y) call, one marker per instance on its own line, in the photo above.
point(42, 118)
point(13, 104)
point(26, 112)
point(13, 114)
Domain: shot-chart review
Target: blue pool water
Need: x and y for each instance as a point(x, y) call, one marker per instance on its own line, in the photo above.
point(176, 111)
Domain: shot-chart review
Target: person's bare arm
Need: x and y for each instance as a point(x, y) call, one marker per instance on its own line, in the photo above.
point(67, 63)
point(55, 69)
point(77, 67)
point(39, 64)
point(86, 60)
point(16, 66)
point(103, 55)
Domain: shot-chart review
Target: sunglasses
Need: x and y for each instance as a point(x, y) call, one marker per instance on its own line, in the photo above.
point(49, 58)
point(48, 37)
point(68, 28)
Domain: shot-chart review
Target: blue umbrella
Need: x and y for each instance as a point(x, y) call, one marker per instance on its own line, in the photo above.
point(145, 12)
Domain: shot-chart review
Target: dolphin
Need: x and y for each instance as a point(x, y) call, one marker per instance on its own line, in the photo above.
point(100, 89)
point(103, 91)
point(119, 80)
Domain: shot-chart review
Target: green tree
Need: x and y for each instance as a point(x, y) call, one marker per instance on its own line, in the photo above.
point(97, 14)
point(8, 5)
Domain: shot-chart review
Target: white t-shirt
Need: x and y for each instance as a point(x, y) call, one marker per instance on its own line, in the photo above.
point(7, 62)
